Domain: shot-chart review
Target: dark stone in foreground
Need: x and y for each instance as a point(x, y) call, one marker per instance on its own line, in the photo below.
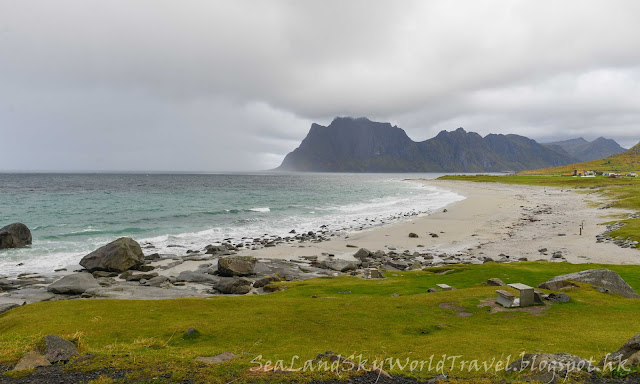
point(15, 235)
point(117, 256)
point(56, 349)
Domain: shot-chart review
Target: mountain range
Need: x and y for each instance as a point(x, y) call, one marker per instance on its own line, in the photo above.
point(624, 162)
point(584, 150)
point(361, 145)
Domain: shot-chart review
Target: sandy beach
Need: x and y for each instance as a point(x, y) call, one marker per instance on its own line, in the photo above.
point(493, 220)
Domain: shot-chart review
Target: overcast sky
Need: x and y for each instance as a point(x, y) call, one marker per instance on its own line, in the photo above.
point(235, 85)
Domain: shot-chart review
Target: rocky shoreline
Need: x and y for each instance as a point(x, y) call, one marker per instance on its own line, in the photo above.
point(214, 270)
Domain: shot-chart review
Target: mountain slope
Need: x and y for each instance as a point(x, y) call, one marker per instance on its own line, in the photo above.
point(361, 145)
point(584, 150)
point(627, 161)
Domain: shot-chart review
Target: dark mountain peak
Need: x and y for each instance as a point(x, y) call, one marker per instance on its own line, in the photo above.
point(357, 122)
point(458, 135)
point(360, 145)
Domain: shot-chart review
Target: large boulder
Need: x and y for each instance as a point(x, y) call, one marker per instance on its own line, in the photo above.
point(339, 265)
point(236, 265)
point(75, 284)
point(233, 286)
point(604, 278)
point(362, 254)
point(117, 256)
point(630, 351)
point(15, 235)
point(56, 349)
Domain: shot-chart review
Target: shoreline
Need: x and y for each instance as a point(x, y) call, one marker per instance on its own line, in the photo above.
point(494, 223)
point(493, 220)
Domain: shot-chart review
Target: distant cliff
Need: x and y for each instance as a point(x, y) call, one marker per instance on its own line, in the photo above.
point(584, 150)
point(361, 145)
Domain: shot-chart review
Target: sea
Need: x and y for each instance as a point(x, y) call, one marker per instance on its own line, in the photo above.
point(71, 215)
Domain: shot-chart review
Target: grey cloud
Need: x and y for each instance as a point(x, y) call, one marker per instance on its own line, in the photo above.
point(234, 85)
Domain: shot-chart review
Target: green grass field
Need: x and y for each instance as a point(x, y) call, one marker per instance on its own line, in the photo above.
point(145, 337)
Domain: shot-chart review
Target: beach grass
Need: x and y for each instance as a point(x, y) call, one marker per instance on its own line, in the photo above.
point(386, 318)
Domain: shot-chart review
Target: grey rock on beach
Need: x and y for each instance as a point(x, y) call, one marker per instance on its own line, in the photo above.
point(236, 265)
point(117, 256)
point(15, 235)
point(75, 284)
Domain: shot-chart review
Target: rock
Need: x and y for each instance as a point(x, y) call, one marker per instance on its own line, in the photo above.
point(558, 298)
point(31, 360)
point(236, 265)
point(362, 254)
point(157, 281)
point(264, 281)
point(144, 268)
point(495, 282)
point(269, 288)
point(15, 235)
point(142, 276)
point(432, 290)
point(7, 307)
point(142, 292)
point(213, 249)
point(56, 349)
point(75, 284)
point(542, 250)
point(630, 351)
point(233, 286)
point(98, 274)
point(398, 264)
point(225, 356)
point(413, 235)
point(117, 256)
point(600, 277)
point(197, 277)
point(339, 265)
point(191, 334)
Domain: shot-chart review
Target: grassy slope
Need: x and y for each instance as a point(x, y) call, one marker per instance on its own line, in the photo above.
point(628, 161)
point(145, 335)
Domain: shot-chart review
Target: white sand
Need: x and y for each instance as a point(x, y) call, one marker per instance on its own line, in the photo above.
point(489, 222)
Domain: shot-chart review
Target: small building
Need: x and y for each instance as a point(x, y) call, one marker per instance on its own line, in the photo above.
point(632, 174)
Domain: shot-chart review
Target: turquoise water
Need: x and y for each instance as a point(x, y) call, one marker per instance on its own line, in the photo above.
point(72, 214)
